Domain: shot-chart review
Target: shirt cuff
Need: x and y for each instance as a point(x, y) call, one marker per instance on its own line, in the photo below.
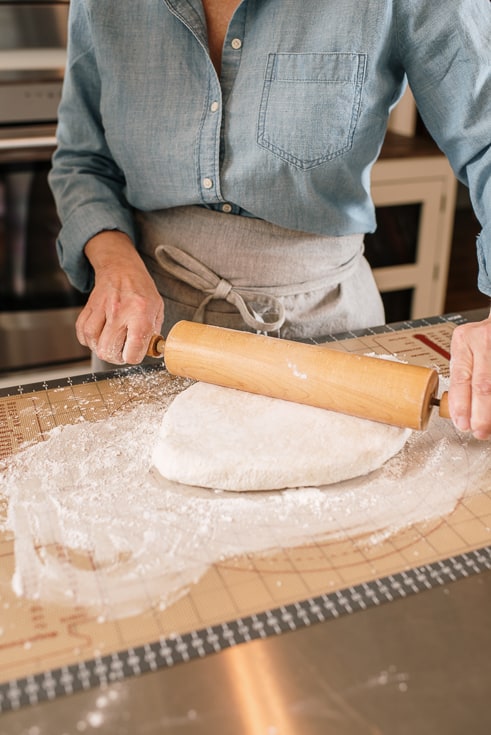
point(484, 260)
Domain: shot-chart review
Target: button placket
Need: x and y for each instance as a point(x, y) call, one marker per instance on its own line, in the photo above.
point(213, 131)
point(231, 57)
point(209, 148)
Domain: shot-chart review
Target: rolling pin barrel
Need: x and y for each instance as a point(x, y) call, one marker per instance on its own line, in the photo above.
point(367, 387)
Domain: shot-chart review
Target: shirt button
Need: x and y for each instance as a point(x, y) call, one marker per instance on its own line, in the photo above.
point(226, 208)
point(236, 43)
point(214, 106)
point(207, 183)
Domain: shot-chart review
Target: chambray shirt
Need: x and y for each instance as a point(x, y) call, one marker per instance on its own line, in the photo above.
point(290, 130)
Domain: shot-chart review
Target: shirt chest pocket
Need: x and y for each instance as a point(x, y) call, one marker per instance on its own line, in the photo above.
point(310, 106)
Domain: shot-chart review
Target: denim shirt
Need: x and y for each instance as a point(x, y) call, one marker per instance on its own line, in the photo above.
point(290, 130)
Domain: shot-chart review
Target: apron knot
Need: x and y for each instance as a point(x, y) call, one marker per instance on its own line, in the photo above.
point(222, 290)
point(254, 306)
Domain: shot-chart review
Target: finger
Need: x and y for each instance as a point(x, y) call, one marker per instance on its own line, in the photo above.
point(481, 398)
point(159, 318)
point(460, 390)
point(139, 333)
point(136, 344)
point(110, 345)
point(89, 326)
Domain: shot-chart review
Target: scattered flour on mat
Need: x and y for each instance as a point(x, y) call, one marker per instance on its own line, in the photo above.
point(86, 499)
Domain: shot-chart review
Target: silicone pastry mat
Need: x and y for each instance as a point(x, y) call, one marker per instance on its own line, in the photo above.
point(46, 649)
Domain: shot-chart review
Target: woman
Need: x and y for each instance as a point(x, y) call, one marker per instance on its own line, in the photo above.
point(217, 153)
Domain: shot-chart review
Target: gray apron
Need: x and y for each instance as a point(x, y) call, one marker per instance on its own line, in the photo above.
point(248, 274)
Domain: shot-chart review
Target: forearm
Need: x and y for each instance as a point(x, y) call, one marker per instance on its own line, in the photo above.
point(111, 247)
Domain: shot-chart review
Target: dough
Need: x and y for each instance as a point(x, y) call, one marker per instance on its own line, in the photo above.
point(230, 440)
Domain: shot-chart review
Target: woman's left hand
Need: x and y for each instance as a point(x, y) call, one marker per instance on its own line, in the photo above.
point(470, 378)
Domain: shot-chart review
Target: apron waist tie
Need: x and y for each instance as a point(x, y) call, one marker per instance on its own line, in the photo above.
point(188, 269)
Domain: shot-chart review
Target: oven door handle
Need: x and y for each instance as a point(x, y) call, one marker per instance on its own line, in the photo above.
point(12, 144)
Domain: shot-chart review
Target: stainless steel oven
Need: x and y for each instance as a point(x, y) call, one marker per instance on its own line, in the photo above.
point(38, 307)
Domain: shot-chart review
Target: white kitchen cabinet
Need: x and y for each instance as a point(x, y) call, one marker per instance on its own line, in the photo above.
point(412, 171)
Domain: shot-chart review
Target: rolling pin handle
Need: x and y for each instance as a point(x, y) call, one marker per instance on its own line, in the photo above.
point(444, 410)
point(442, 404)
point(156, 346)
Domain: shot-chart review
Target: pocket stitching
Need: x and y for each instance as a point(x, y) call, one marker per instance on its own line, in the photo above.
point(269, 78)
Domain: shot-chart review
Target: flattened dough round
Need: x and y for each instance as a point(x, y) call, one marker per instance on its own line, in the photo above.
point(230, 440)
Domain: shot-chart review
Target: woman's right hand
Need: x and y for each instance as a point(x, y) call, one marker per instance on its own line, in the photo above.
point(124, 308)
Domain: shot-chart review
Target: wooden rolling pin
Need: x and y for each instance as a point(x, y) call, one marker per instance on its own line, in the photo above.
point(371, 388)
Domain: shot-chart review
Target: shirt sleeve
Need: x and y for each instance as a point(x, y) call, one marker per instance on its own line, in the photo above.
point(87, 184)
point(446, 52)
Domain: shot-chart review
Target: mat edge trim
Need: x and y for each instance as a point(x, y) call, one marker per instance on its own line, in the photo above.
point(175, 649)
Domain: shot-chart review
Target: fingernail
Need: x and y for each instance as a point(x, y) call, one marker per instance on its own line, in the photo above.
point(481, 435)
point(461, 423)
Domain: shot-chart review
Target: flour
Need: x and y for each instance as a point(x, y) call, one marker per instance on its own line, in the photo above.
point(94, 527)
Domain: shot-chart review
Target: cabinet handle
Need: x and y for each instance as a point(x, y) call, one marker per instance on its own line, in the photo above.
point(11, 144)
